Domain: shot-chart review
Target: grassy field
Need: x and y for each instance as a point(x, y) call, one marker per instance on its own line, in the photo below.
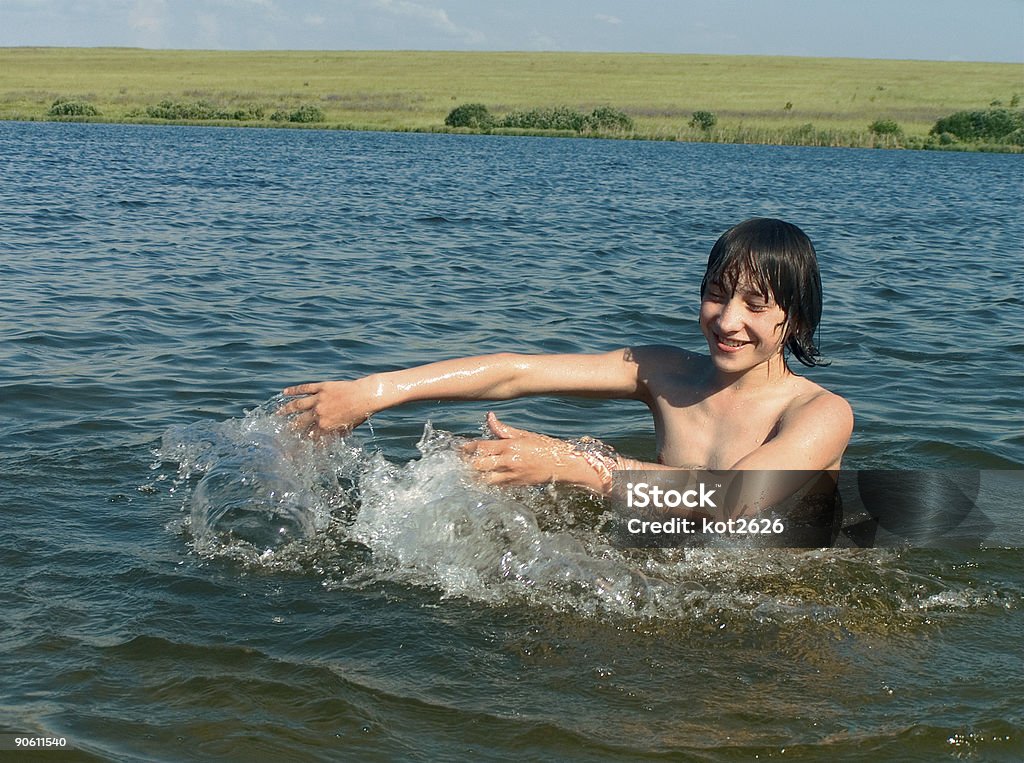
point(756, 99)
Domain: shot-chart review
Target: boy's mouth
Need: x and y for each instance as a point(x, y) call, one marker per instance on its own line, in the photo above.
point(732, 344)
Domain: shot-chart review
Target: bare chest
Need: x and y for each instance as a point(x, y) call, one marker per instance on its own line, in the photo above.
point(713, 433)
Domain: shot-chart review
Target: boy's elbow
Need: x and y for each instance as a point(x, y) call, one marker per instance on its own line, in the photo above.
point(511, 371)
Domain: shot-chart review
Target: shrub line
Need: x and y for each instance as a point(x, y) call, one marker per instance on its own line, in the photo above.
point(996, 129)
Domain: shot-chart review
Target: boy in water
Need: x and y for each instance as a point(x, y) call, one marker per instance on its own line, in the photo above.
point(738, 408)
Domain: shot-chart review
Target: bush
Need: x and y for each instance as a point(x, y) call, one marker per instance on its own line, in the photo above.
point(200, 110)
point(248, 113)
point(182, 110)
point(558, 118)
point(995, 125)
point(705, 120)
point(885, 127)
point(474, 115)
point(607, 119)
point(63, 107)
point(306, 114)
point(602, 119)
point(303, 114)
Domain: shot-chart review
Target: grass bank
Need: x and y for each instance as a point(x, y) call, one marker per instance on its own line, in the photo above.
point(756, 99)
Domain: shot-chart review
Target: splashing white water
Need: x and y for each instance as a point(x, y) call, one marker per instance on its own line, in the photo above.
point(258, 491)
point(430, 520)
point(257, 480)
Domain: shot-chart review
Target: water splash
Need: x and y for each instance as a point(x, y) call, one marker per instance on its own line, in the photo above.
point(258, 491)
point(257, 480)
point(431, 521)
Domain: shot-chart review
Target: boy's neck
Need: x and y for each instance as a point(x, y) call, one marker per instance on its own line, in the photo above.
point(759, 377)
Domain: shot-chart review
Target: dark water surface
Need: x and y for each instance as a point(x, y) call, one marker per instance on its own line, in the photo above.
point(159, 282)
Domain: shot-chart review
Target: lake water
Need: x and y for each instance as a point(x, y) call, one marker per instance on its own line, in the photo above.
point(161, 285)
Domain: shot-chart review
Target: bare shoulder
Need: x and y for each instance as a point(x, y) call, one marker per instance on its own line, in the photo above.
point(816, 408)
point(662, 357)
point(661, 367)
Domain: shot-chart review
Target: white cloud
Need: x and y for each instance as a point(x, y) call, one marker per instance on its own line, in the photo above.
point(148, 16)
point(435, 17)
point(614, 20)
point(311, 19)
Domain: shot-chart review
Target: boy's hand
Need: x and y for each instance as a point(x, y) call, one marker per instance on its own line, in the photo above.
point(328, 406)
point(519, 457)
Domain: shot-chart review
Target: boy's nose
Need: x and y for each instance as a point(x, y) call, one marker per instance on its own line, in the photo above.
point(730, 319)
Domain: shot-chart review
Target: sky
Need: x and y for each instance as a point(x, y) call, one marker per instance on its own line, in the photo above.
point(942, 30)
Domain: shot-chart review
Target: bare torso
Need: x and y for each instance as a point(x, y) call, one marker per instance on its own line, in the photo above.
point(699, 423)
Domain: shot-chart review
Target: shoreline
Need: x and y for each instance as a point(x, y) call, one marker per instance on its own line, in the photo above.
point(755, 100)
point(780, 139)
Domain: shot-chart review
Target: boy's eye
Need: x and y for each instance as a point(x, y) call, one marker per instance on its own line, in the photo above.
point(757, 307)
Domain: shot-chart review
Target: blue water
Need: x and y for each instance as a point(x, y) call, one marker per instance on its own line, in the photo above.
point(160, 282)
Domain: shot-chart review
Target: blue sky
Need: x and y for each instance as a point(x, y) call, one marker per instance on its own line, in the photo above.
point(953, 30)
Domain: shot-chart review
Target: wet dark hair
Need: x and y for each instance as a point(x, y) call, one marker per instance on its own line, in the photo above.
point(779, 261)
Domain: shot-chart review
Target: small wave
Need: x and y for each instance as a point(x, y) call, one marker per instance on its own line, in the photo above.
point(48, 215)
point(443, 220)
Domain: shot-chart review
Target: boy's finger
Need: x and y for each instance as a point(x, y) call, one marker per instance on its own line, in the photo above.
point(494, 478)
point(487, 462)
point(297, 406)
point(500, 429)
point(304, 422)
point(481, 448)
point(304, 389)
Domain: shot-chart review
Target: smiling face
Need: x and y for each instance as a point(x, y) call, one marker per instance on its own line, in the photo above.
point(744, 326)
point(761, 292)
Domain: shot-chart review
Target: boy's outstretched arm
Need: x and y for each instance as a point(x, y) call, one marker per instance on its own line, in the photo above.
point(344, 405)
